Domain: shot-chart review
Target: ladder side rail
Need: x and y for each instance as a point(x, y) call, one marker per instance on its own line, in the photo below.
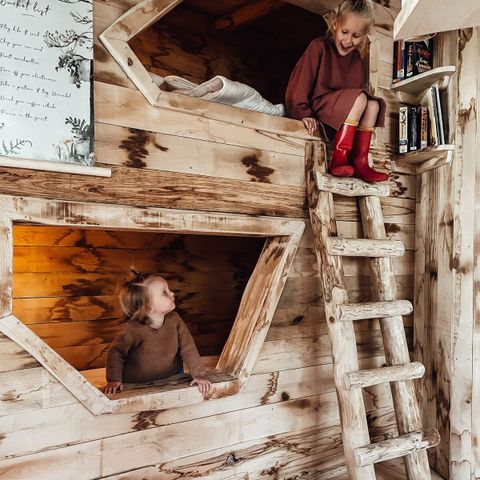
point(342, 335)
point(406, 406)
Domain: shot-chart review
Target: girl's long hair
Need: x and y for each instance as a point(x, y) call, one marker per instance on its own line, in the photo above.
point(134, 299)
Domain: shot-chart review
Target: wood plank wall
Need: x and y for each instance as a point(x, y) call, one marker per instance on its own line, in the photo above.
point(285, 423)
point(446, 306)
point(66, 283)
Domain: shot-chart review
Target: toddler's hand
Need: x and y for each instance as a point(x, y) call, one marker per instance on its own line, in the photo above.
point(311, 124)
point(112, 387)
point(204, 384)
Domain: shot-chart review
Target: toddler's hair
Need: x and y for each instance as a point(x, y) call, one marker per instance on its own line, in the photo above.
point(134, 298)
point(363, 8)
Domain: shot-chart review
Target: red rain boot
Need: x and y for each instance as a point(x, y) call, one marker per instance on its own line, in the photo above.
point(339, 165)
point(359, 158)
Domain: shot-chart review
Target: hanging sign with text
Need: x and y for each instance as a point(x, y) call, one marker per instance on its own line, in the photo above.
point(46, 52)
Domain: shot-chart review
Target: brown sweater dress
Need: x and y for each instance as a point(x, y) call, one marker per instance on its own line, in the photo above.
point(142, 353)
point(325, 84)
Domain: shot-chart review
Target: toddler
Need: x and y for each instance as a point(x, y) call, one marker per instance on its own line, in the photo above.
point(326, 88)
point(155, 341)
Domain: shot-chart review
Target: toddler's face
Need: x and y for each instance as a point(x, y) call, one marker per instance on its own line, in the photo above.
point(162, 300)
point(350, 33)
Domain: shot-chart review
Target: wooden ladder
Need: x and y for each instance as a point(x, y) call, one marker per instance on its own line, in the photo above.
point(340, 314)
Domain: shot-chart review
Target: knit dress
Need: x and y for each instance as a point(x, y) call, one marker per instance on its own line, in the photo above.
point(324, 85)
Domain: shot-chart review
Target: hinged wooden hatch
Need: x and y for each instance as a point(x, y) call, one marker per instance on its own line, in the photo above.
point(253, 318)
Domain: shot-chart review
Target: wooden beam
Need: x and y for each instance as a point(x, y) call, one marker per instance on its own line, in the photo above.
point(258, 305)
point(397, 447)
point(361, 247)
point(375, 376)
point(362, 311)
point(246, 14)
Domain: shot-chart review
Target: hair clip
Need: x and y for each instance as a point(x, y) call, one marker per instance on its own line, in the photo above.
point(136, 275)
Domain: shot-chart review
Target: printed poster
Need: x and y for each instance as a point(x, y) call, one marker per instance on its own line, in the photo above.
point(46, 53)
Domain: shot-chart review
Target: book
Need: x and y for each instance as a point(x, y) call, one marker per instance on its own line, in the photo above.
point(399, 58)
point(438, 106)
point(403, 130)
point(411, 58)
point(419, 57)
point(422, 124)
point(428, 102)
point(412, 129)
point(395, 78)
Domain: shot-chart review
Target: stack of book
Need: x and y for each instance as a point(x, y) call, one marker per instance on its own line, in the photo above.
point(411, 58)
point(422, 126)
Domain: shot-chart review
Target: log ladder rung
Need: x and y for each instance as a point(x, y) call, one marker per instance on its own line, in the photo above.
point(349, 186)
point(396, 447)
point(360, 454)
point(375, 376)
point(361, 247)
point(348, 312)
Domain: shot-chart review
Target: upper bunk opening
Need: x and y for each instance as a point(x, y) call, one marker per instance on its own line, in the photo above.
point(162, 38)
point(243, 40)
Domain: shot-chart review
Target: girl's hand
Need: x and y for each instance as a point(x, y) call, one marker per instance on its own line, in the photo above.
point(311, 124)
point(204, 384)
point(112, 387)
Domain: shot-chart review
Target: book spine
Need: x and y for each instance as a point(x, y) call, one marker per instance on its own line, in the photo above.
point(412, 129)
point(441, 133)
point(409, 59)
point(436, 114)
point(401, 60)
point(403, 130)
point(422, 121)
point(395, 78)
point(428, 103)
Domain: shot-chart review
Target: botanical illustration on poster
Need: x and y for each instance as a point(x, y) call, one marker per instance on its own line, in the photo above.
point(46, 52)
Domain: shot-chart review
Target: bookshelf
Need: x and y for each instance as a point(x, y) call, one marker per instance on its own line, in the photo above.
point(416, 85)
point(427, 159)
point(416, 90)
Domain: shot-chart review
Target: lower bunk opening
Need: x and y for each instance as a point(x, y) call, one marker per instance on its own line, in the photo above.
point(66, 283)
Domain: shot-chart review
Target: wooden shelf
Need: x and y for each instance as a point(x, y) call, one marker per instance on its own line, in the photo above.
point(418, 17)
point(419, 83)
point(61, 167)
point(428, 158)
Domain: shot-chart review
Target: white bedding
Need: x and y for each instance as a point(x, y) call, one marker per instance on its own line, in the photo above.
point(222, 90)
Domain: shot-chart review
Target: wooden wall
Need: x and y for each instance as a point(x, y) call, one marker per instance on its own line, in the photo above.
point(285, 423)
point(446, 272)
point(66, 283)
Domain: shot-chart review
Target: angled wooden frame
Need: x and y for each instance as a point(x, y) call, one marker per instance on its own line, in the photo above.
point(115, 39)
point(249, 330)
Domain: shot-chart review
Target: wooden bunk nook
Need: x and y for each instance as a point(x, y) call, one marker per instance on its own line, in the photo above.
point(331, 357)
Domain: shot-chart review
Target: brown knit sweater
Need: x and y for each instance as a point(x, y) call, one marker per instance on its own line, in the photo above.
point(142, 353)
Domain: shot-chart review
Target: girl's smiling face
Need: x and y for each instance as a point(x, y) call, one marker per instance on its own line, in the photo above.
point(350, 33)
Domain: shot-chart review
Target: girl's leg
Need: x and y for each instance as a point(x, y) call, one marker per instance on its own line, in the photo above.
point(361, 146)
point(344, 138)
